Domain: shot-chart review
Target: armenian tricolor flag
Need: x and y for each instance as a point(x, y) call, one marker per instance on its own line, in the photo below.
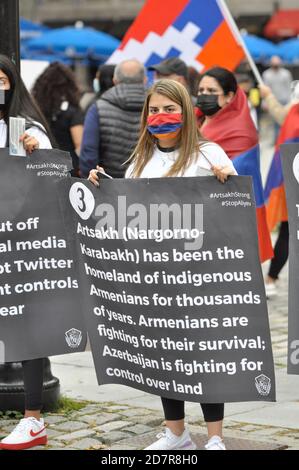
point(197, 31)
point(164, 125)
point(233, 129)
point(274, 190)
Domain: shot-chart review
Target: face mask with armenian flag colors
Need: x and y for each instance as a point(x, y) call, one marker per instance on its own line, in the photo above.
point(165, 125)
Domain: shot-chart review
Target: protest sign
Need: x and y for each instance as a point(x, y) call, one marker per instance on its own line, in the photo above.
point(172, 286)
point(290, 164)
point(40, 311)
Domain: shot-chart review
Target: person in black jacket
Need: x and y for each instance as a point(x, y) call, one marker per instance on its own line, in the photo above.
point(58, 96)
point(112, 124)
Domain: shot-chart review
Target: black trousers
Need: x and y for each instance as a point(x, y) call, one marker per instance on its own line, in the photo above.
point(281, 251)
point(175, 409)
point(33, 372)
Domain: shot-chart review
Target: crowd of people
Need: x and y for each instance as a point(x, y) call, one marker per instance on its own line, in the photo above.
point(185, 124)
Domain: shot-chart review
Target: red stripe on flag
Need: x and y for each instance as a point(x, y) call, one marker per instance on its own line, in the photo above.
point(221, 49)
point(265, 245)
point(156, 16)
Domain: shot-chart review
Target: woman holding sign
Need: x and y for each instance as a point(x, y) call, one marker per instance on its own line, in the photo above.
point(171, 145)
point(15, 101)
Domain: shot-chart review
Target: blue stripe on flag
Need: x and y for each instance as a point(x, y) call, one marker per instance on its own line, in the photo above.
point(203, 13)
point(275, 175)
point(164, 128)
point(248, 164)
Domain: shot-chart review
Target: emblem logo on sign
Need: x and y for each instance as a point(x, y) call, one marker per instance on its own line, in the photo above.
point(73, 338)
point(263, 384)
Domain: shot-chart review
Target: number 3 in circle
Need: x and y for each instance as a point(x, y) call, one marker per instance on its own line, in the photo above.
point(82, 200)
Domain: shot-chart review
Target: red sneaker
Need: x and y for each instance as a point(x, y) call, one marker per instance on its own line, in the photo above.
point(30, 432)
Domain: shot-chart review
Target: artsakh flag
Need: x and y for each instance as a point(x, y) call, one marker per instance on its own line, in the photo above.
point(196, 31)
point(233, 129)
point(274, 190)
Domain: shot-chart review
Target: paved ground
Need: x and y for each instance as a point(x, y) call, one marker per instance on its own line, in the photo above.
point(124, 418)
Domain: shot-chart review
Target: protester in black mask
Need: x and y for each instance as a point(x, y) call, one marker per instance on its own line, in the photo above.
point(215, 92)
point(222, 111)
point(15, 101)
point(225, 119)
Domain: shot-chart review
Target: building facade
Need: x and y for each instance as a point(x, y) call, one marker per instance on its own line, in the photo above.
point(50, 10)
point(115, 16)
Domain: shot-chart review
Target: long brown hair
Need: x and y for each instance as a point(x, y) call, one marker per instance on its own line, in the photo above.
point(56, 84)
point(189, 137)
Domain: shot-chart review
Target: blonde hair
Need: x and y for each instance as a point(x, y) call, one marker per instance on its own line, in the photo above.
point(189, 137)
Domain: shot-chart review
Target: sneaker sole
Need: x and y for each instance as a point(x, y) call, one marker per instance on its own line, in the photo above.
point(41, 441)
point(189, 446)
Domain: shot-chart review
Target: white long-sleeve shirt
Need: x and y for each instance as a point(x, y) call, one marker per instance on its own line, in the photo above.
point(34, 131)
point(161, 162)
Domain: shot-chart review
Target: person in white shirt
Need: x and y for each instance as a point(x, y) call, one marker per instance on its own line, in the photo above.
point(170, 144)
point(15, 101)
point(279, 79)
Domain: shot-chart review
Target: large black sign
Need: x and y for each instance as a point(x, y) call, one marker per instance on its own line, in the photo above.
point(40, 312)
point(172, 286)
point(290, 163)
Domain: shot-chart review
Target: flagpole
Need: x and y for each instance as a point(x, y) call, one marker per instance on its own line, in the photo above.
point(227, 14)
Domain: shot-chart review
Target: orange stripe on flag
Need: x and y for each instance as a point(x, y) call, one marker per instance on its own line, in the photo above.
point(221, 50)
point(265, 245)
point(277, 207)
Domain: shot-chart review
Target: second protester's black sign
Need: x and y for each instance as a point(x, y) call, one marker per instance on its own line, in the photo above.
point(40, 311)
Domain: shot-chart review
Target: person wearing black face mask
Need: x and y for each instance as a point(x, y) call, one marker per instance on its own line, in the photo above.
point(223, 112)
point(224, 117)
point(15, 101)
point(212, 95)
point(208, 104)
